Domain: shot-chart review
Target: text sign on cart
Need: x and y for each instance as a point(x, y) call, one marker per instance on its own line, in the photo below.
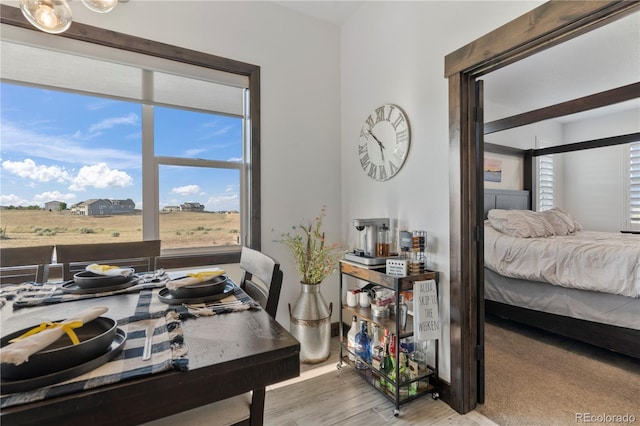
point(426, 317)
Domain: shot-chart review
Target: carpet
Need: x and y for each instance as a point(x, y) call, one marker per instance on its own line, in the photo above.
point(538, 378)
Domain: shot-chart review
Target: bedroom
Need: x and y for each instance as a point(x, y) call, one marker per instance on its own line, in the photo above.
point(592, 182)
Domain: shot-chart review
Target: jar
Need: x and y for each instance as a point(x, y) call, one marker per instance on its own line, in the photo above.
point(384, 243)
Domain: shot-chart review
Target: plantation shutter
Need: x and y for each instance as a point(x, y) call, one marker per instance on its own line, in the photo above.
point(634, 185)
point(545, 182)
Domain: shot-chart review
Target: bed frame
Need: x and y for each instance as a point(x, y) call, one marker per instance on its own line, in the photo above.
point(618, 339)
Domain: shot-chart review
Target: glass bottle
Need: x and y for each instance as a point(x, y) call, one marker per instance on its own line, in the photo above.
point(363, 347)
point(393, 345)
point(351, 338)
point(385, 363)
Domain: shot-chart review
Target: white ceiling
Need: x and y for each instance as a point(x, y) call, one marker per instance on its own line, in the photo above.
point(335, 12)
point(602, 59)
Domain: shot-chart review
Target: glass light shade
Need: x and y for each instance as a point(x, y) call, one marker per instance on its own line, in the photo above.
point(51, 16)
point(100, 6)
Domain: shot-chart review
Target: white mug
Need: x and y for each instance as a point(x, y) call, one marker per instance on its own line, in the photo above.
point(365, 301)
point(352, 298)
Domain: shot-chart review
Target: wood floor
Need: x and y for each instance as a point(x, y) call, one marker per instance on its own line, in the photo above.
point(324, 395)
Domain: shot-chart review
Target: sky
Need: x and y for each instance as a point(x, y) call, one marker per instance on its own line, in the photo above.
point(58, 146)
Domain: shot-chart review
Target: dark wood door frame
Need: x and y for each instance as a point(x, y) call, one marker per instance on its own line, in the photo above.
point(550, 24)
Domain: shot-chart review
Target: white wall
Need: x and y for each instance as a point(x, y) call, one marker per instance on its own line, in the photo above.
point(393, 52)
point(300, 91)
point(319, 82)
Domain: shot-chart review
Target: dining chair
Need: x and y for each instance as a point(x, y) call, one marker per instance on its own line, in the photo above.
point(22, 264)
point(140, 255)
point(262, 280)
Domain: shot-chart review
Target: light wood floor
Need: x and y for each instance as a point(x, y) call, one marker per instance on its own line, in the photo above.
point(324, 395)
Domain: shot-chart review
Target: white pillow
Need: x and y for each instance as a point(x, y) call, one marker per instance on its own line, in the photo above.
point(563, 223)
point(520, 223)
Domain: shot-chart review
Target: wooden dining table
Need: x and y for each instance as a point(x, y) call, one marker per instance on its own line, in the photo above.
point(228, 354)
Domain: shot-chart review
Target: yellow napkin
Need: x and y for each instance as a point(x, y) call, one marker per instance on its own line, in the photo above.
point(194, 278)
point(19, 351)
point(108, 270)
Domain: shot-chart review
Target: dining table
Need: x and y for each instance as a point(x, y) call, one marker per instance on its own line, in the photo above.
point(225, 354)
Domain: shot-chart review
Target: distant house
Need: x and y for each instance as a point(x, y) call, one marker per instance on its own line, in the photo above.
point(171, 209)
point(103, 207)
point(192, 207)
point(52, 205)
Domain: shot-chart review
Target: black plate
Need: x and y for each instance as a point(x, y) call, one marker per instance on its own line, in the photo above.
point(95, 337)
point(215, 285)
point(165, 296)
point(86, 279)
point(72, 288)
point(12, 386)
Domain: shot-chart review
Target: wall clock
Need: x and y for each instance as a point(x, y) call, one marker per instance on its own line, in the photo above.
point(384, 142)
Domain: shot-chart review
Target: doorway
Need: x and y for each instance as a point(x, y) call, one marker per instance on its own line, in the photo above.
point(540, 29)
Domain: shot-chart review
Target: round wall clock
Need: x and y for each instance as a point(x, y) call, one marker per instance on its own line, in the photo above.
point(384, 142)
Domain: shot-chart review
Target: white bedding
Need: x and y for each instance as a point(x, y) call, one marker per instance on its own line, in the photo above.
point(587, 260)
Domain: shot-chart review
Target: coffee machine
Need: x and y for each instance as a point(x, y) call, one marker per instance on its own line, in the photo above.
point(376, 242)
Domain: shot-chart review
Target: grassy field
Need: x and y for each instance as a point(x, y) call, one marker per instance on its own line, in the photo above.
point(22, 228)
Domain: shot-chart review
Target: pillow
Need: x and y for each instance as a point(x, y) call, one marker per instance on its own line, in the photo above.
point(563, 223)
point(520, 223)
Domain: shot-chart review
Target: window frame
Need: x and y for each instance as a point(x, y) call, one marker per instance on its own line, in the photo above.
point(90, 34)
point(632, 153)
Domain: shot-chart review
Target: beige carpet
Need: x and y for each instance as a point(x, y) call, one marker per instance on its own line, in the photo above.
point(536, 378)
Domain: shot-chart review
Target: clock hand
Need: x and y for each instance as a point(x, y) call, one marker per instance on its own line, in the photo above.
point(379, 144)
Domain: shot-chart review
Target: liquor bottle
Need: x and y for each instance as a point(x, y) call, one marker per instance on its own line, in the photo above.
point(385, 363)
point(351, 338)
point(363, 347)
point(393, 345)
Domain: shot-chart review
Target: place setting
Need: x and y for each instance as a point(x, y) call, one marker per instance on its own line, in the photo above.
point(206, 293)
point(95, 281)
point(87, 350)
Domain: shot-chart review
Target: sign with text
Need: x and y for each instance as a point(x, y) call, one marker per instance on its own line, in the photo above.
point(426, 316)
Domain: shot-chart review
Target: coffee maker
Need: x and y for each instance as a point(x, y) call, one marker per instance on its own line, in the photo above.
point(376, 242)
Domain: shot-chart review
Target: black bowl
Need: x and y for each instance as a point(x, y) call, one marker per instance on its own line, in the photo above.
point(207, 288)
point(86, 279)
point(95, 339)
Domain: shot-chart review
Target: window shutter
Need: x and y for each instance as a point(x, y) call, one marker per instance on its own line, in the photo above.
point(634, 185)
point(545, 182)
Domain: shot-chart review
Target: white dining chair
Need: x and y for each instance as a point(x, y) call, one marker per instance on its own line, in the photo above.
point(262, 280)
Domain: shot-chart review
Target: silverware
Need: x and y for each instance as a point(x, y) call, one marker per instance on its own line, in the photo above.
point(148, 337)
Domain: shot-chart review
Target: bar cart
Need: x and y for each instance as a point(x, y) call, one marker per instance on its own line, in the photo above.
point(424, 383)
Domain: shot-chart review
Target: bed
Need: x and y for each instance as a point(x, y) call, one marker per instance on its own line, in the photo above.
point(558, 277)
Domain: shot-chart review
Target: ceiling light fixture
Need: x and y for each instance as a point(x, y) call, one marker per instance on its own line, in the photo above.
point(54, 16)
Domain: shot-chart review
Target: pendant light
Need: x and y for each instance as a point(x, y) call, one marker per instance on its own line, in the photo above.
point(100, 6)
point(54, 16)
point(50, 16)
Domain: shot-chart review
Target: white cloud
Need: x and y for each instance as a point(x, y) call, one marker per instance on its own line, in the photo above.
point(186, 190)
point(23, 141)
point(13, 200)
point(29, 169)
point(54, 196)
point(235, 159)
point(109, 123)
point(224, 202)
point(194, 152)
point(100, 176)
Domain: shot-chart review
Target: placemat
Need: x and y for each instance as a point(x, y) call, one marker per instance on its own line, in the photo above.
point(168, 352)
point(28, 295)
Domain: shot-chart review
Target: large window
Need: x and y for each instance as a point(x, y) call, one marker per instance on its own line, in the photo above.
point(114, 146)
